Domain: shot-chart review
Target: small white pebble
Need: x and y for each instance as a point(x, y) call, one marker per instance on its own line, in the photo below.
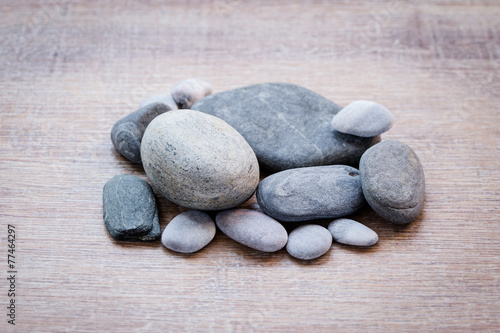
point(187, 92)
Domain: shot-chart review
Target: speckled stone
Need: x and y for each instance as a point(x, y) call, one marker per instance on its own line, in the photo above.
point(363, 118)
point(393, 181)
point(288, 126)
point(350, 232)
point(309, 242)
point(186, 92)
point(304, 194)
point(253, 229)
point(189, 232)
point(127, 132)
point(129, 209)
point(165, 99)
point(198, 161)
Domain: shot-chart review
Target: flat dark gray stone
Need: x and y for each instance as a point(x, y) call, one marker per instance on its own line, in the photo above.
point(393, 181)
point(129, 209)
point(309, 242)
point(311, 193)
point(288, 126)
point(253, 229)
point(127, 132)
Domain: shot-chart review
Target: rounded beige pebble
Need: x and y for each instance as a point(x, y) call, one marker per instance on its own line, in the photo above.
point(187, 92)
point(199, 161)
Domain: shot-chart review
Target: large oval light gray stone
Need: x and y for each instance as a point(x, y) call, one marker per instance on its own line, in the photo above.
point(311, 193)
point(189, 232)
point(393, 181)
point(350, 232)
point(309, 242)
point(288, 126)
point(198, 161)
point(253, 229)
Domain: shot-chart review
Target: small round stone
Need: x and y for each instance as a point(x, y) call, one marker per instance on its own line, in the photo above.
point(253, 229)
point(165, 99)
point(363, 118)
point(309, 242)
point(189, 232)
point(198, 161)
point(187, 92)
point(350, 232)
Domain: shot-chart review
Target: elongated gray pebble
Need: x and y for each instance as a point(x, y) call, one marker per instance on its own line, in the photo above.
point(350, 232)
point(129, 209)
point(198, 161)
point(304, 194)
point(253, 229)
point(127, 132)
point(186, 92)
point(189, 232)
point(363, 118)
point(309, 242)
point(393, 181)
point(165, 99)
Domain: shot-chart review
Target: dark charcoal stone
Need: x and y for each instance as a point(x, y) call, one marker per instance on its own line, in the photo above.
point(393, 181)
point(129, 208)
point(309, 242)
point(311, 193)
point(288, 126)
point(127, 132)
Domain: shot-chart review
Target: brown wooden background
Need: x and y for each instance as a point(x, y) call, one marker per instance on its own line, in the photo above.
point(69, 70)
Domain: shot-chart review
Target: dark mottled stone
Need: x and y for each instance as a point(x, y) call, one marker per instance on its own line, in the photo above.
point(129, 208)
point(393, 181)
point(350, 232)
point(288, 126)
point(127, 132)
point(253, 229)
point(309, 242)
point(189, 232)
point(311, 193)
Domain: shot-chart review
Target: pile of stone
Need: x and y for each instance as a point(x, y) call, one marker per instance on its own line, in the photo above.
point(204, 152)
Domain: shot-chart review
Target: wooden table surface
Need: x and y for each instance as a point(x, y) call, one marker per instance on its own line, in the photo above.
point(69, 70)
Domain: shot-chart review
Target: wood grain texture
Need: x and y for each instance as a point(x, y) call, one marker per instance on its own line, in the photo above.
point(70, 69)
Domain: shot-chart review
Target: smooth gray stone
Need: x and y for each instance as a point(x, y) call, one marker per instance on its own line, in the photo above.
point(309, 242)
point(311, 193)
point(198, 161)
point(129, 209)
point(288, 126)
point(189, 232)
point(350, 232)
point(165, 99)
point(186, 92)
point(127, 132)
point(363, 118)
point(393, 181)
point(253, 229)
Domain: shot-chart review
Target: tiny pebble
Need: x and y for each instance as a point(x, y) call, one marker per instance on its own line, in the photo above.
point(309, 242)
point(350, 232)
point(187, 92)
point(165, 99)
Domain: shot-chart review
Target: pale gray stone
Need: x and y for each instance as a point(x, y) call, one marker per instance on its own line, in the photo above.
point(363, 119)
point(189, 232)
point(126, 134)
point(288, 126)
point(253, 229)
point(165, 99)
point(393, 181)
point(198, 161)
point(304, 194)
point(350, 232)
point(186, 92)
point(309, 242)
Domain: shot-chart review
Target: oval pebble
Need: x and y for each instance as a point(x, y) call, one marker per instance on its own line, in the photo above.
point(189, 232)
point(253, 229)
point(198, 161)
point(393, 181)
point(311, 193)
point(165, 99)
point(350, 232)
point(309, 242)
point(363, 118)
point(187, 92)
point(127, 132)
